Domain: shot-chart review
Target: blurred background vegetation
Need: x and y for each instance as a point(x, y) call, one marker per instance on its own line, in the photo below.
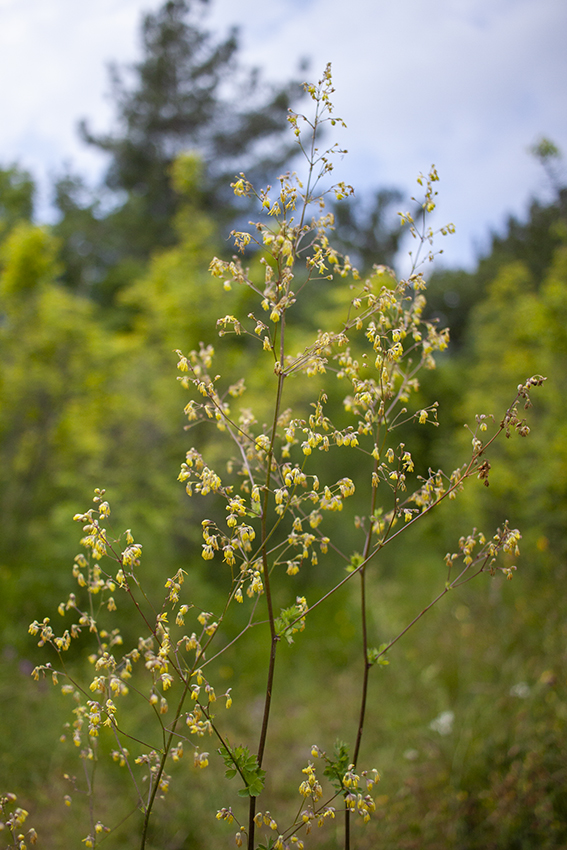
point(468, 721)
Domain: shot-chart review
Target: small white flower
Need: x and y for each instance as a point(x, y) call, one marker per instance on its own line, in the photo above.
point(443, 723)
point(521, 690)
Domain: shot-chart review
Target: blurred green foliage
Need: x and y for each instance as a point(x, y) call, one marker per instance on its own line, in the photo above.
point(88, 397)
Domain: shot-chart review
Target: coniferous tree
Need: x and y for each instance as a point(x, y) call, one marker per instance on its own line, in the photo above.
point(188, 92)
point(17, 191)
point(370, 231)
point(453, 293)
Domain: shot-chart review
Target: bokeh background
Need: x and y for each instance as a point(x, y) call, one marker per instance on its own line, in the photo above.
point(106, 233)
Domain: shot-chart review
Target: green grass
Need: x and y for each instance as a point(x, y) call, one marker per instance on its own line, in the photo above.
point(492, 653)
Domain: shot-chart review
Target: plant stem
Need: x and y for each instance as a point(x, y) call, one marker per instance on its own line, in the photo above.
point(156, 779)
point(267, 587)
point(367, 665)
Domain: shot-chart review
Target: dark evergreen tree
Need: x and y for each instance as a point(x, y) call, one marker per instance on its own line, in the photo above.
point(17, 192)
point(526, 252)
point(187, 93)
point(369, 230)
point(452, 293)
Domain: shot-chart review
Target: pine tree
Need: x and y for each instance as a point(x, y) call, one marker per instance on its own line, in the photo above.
point(188, 92)
point(368, 229)
point(17, 191)
point(453, 293)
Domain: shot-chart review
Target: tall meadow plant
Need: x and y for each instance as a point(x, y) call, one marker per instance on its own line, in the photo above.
point(282, 508)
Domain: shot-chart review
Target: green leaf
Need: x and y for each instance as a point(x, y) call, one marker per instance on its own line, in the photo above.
point(240, 761)
point(356, 560)
point(338, 765)
point(375, 655)
point(287, 616)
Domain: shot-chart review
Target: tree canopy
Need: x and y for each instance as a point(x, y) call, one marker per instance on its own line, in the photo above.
point(187, 93)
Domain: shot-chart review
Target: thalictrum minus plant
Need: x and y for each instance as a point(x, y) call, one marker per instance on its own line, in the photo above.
point(281, 507)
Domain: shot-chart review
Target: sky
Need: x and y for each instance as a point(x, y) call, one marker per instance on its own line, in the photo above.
point(468, 85)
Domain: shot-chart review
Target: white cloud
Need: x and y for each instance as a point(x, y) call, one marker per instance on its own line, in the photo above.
point(467, 84)
point(53, 63)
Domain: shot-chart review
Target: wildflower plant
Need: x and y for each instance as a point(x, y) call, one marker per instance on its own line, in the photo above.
point(12, 820)
point(280, 512)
